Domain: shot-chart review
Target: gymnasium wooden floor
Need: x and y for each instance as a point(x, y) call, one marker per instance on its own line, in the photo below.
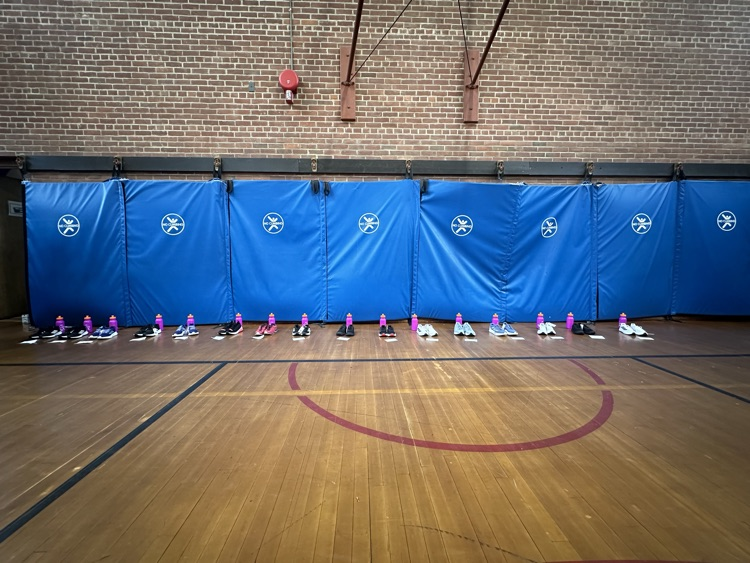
point(533, 450)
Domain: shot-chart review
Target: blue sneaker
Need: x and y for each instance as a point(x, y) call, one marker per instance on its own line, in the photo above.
point(97, 333)
point(180, 332)
point(192, 330)
point(496, 330)
point(509, 330)
point(107, 333)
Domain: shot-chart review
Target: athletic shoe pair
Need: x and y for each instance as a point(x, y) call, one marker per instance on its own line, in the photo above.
point(464, 329)
point(301, 330)
point(632, 329)
point(502, 330)
point(266, 329)
point(426, 330)
point(345, 330)
point(182, 330)
point(386, 331)
point(104, 333)
point(231, 328)
point(148, 331)
point(48, 332)
point(546, 328)
point(580, 328)
point(73, 333)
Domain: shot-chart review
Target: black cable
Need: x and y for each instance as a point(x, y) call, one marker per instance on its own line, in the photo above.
point(381, 40)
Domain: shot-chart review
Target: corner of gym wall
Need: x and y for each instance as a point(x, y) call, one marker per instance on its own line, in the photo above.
point(589, 80)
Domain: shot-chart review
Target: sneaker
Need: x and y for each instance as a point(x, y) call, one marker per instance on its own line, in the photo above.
point(192, 331)
point(76, 333)
point(296, 330)
point(421, 330)
point(382, 331)
point(224, 328)
point(350, 330)
point(97, 333)
point(509, 330)
point(625, 329)
point(38, 334)
point(496, 330)
point(578, 328)
point(50, 332)
point(636, 329)
point(107, 333)
point(271, 329)
point(458, 329)
point(235, 328)
point(467, 330)
point(180, 332)
point(342, 330)
point(65, 334)
point(551, 328)
point(431, 332)
point(142, 332)
point(305, 330)
point(390, 332)
point(261, 330)
point(542, 328)
point(588, 330)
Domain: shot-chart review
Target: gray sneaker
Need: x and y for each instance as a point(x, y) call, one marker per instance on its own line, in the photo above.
point(468, 331)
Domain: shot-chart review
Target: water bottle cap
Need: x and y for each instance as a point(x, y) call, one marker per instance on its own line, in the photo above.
point(158, 315)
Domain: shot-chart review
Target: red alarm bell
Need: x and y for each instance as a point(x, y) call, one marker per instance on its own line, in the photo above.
point(289, 81)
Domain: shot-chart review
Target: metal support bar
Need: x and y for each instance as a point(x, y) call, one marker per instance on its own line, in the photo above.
point(489, 43)
point(353, 49)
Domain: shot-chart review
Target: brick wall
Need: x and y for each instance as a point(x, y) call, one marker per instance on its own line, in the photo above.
point(565, 80)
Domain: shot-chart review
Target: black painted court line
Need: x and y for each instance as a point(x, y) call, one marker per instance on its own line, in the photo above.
point(24, 518)
point(370, 360)
point(696, 381)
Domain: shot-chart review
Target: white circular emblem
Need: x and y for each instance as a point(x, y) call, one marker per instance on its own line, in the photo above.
point(68, 225)
point(369, 223)
point(273, 223)
point(549, 227)
point(462, 225)
point(641, 223)
point(172, 224)
point(726, 221)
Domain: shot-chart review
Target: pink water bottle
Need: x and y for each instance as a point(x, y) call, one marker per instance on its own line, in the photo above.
point(113, 322)
point(382, 320)
point(495, 319)
point(159, 322)
point(414, 321)
point(190, 320)
point(459, 319)
point(87, 324)
point(569, 321)
point(623, 319)
point(271, 319)
point(539, 319)
point(304, 319)
point(238, 318)
point(60, 323)
point(348, 319)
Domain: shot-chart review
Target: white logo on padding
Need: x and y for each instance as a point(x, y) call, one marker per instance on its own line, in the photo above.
point(462, 225)
point(641, 223)
point(726, 221)
point(549, 227)
point(172, 224)
point(369, 223)
point(273, 223)
point(68, 225)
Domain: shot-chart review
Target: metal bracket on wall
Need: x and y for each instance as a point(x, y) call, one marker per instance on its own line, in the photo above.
point(500, 170)
point(471, 88)
point(314, 164)
point(409, 173)
point(116, 166)
point(21, 163)
point(348, 91)
point(217, 167)
point(589, 173)
point(679, 173)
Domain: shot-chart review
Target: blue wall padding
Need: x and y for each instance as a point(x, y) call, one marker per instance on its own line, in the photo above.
point(552, 266)
point(713, 265)
point(278, 250)
point(371, 248)
point(81, 272)
point(178, 251)
point(636, 237)
point(465, 233)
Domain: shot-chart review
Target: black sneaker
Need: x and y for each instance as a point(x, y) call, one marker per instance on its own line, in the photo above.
point(49, 332)
point(342, 330)
point(382, 331)
point(390, 332)
point(296, 330)
point(350, 330)
point(305, 330)
point(142, 331)
point(577, 328)
point(588, 330)
point(225, 327)
point(235, 328)
point(77, 332)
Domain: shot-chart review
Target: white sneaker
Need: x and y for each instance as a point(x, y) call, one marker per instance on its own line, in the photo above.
point(468, 331)
point(625, 329)
point(421, 330)
point(542, 328)
point(550, 328)
point(638, 330)
point(431, 332)
point(458, 328)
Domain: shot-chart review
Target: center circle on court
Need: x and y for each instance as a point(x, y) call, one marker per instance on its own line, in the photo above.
point(605, 411)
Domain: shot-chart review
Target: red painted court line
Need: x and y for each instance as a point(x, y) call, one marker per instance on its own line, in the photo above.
point(605, 411)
